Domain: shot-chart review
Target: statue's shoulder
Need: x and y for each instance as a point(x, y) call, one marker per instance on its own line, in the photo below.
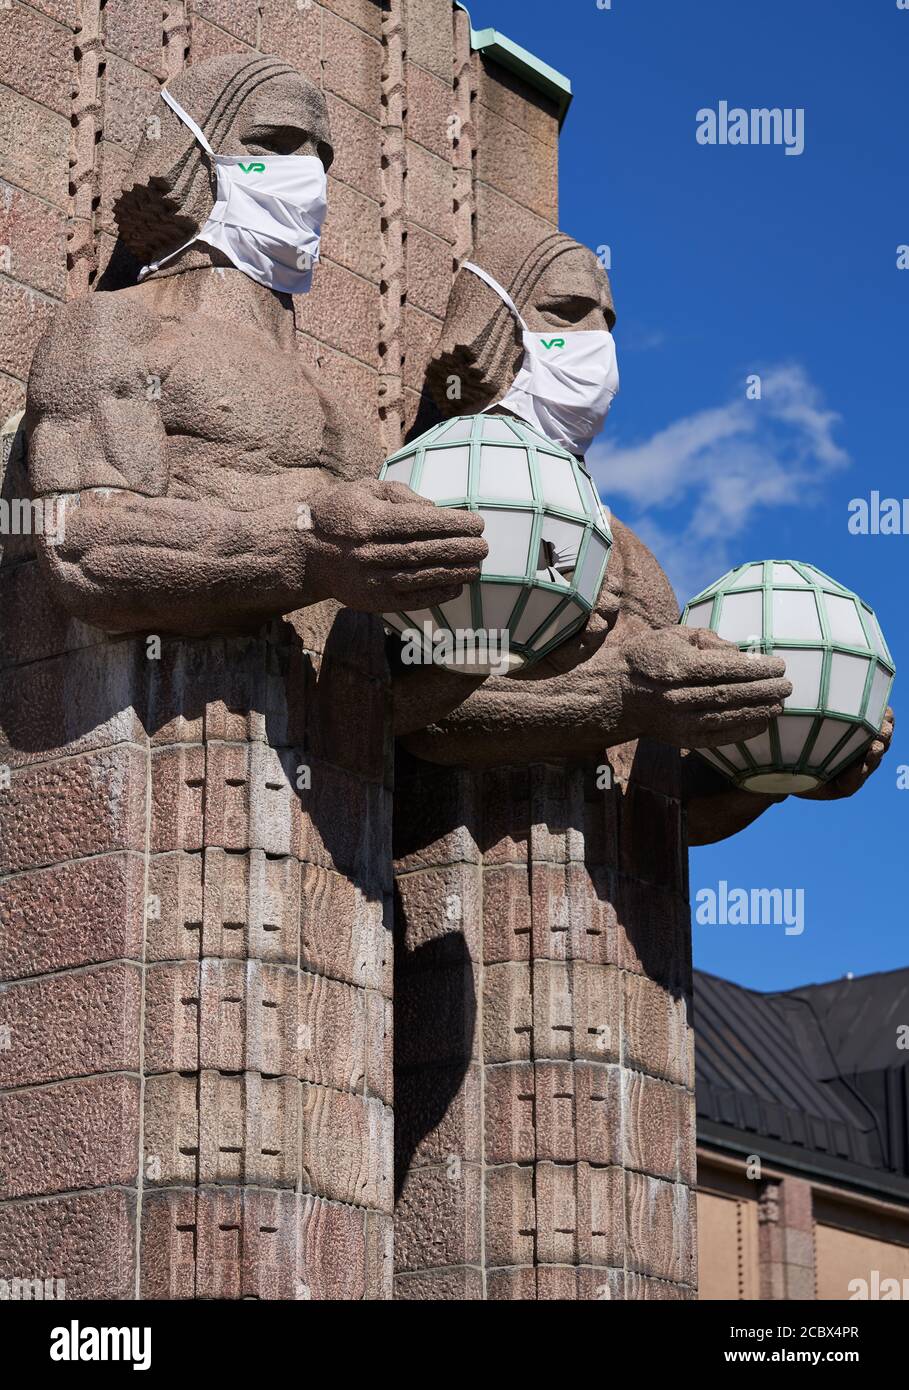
point(100, 324)
point(91, 340)
point(637, 577)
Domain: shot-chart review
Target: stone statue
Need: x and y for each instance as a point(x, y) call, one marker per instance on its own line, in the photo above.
point(204, 786)
point(180, 417)
point(543, 949)
point(632, 672)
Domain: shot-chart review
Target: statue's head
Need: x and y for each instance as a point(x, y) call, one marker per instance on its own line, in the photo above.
point(245, 105)
point(555, 283)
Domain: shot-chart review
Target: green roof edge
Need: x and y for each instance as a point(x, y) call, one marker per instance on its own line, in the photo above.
point(518, 60)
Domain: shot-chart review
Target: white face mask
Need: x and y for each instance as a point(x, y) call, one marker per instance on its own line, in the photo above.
point(268, 213)
point(567, 380)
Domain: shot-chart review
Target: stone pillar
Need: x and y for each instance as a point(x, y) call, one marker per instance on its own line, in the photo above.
point(786, 1239)
point(195, 1040)
point(544, 1064)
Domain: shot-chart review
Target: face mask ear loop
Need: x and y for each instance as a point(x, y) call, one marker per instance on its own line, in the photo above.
point(197, 132)
point(506, 298)
point(187, 120)
point(494, 285)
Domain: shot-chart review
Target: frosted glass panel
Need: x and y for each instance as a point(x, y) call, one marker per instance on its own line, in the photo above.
point(741, 617)
point(557, 482)
point(589, 493)
point(850, 749)
point(418, 617)
point(832, 730)
point(879, 687)
point(504, 473)
point(845, 623)
point(699, 615)
point(507, 534)
point(877, 637)
point(457, 612)
point(731, 752)
point(498, 604)
point(445, 473)
point(399, 472)
point(847, 683)
point(803, 668)
point(537, 609)
point(589, 573)
point(822, 579)
point(394, 621)
point(564, 620)
point(458, 429)
point(785, 574)
point(760, 750)
point(566, 537)
point(793, 731)
point(751, 574)
point(499, 429)
point(795, 615)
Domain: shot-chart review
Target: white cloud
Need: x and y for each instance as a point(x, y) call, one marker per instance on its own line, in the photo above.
point(720, 467)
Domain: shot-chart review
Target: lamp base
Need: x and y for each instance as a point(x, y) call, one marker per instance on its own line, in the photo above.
point(507, 665)
point(781, 783)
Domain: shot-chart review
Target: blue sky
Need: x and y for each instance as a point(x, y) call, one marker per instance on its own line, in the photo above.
point(739, 260)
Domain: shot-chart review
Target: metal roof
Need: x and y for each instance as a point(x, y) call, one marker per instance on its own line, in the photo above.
point(811, 1077)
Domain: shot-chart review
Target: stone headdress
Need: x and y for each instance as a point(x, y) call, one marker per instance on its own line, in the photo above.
point(168, 191)
point(480, 343)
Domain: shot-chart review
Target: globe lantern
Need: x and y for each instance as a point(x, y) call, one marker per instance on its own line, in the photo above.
point(548, 535)
point(836, 658)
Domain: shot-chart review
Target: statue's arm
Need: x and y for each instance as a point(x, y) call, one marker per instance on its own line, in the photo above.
point(717, 809)
point(634, 672)
point(131, 557)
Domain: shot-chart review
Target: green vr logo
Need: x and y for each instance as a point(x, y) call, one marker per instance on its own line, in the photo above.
point(256, 168)
point(553, 342)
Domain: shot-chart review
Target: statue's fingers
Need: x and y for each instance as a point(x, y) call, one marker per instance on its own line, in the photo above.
point(717, 698)
point(412, 581)
point(665, 661)
point(426, 554)
point(416, 520)
point(413, 600)
point(714, 731)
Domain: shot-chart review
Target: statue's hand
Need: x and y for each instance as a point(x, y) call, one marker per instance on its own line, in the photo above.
point(377, 546)
point(690, 688)
point(848, 782)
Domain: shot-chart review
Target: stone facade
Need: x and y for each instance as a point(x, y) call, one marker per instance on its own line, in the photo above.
point(196, 1066)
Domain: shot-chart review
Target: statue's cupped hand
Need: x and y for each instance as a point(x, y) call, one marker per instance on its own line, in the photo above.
point(378, 547)
point(690, 688)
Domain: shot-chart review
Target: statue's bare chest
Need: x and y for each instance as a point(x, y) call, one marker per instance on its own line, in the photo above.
point(234, 398)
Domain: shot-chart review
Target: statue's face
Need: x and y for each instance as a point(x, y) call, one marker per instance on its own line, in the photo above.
point(170, 194)
point(286, 115)
point(571, 293)
point(480, 343)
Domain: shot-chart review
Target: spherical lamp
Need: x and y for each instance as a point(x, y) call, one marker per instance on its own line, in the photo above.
point(836, 658)
point(547, 531)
